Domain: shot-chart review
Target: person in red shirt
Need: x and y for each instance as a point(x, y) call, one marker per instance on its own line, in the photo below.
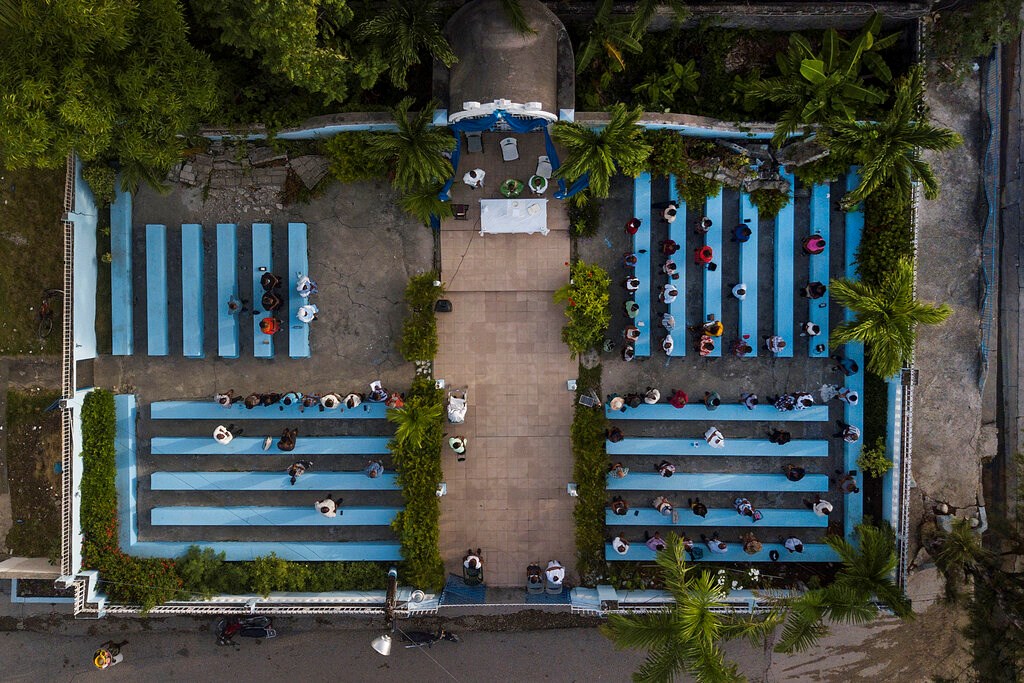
point(633, 226)
point(679, 399)
point(270, 325)
point(703, 256)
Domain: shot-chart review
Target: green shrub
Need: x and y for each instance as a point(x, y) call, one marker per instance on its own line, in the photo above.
point(675, 154)
point(590, 467)
point(873, 459)
point(419, 330)
point(584, 215)
point(418, 463)
point(351, 158)
point(586, 296)
point(101, 179)
point(695, 189)
point(823, 170)
point(969, 31)
point(888, 234)
point(769, 202)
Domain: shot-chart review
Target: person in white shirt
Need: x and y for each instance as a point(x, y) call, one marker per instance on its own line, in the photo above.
point(669, 294)
point(472, 560)
point(307, 313)
point(306, 286)
point(714, 544)
point(223, 435)
point(353, 400)
point(667, 345)
point(652, 396)
point(740, 291)
point(328, 507)
point(474, 178)
point(775, 343)
point(669, 214)
point(668, 321)
point(822, 508)
point(330, 401)
point(748, 400)
point(555, 572)
point(794, 544)
point(620, 544)
point(227, 398)
point(714, 438)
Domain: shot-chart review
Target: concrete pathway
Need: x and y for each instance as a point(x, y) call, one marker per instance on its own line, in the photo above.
point(503, 342)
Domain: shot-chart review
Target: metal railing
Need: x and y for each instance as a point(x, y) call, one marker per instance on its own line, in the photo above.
point(990, 92)
point(67, 382)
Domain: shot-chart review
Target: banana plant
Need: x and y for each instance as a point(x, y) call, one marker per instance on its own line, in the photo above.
point(663, 87)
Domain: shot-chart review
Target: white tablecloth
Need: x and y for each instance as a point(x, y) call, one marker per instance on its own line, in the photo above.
point(513, 215)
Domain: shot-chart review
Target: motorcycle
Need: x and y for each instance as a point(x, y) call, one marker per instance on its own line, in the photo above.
point(248, 627)
point(423, 638)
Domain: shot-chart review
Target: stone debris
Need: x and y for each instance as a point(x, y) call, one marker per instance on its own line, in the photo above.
point(311, 169)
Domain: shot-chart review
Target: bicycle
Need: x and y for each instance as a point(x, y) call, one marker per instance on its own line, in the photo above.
point(44, 316)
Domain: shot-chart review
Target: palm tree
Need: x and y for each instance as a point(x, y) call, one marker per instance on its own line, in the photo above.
point(414, 421)
point(416, 148)
point(887, 149)
point(687, 637)
point(402, 32)
point(886, 318)
point(865, 578)
point(614, 36)
point(619, 146)
point(10, 13)
point(424, 202)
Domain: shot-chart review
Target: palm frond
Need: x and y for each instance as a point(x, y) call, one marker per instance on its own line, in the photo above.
point(513, 10)
point(641, 631)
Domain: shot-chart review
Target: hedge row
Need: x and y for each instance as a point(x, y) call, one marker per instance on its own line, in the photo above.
point(419, 331)
point(590, 467)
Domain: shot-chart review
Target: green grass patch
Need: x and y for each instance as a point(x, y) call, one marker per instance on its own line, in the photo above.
point(31, 257)
point(33, 446)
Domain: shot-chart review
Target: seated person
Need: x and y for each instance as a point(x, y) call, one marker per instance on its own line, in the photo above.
point(714, 438)
point(306, 286)
point(633, 226)
point(472, 560)
point(741, 233)
point(629, 260)
point(671, 269)
point(774, 343)
point(307, 313)
point(652, 396)
point(679, 399)
point(713, 328)
point(813, 290)
point(632, 283)
point(793, 472)
point(619, 506)
point(703, 256)
point(378, 394)
point(667, 345)
point(534, 575)
point(632, 333)
point(656, 542)
point(813, 245)
point(330, 401)
point(668, 321)
point(779, 436)
point(632, 308)
point(669, 247)
point(353, 400)
point(705, 345)
point(669, 294)
point(270, 325)
point(271, 301)
point(555, 572)
point(620, 544)
point(395, 400)
point(614, 434)
point(665, 468)
point(628, 352)
point(618, 470)
point(669, 214)
point(269, 281)
point(663, 505)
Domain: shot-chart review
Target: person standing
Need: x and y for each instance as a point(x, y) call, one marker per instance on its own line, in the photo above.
point(328, 507)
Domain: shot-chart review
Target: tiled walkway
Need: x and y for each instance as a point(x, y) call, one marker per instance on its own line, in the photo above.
point(503, 341)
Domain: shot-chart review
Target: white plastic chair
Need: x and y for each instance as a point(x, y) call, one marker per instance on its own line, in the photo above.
point(509, 149)
point(543, 167)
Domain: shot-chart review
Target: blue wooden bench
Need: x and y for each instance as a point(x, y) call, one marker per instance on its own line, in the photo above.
point(716, 517)
point(298, 265)
point(271, 516)
point(253, 445)
point(270, 481)
point(797, 448)
point(720, 481)
point(642, 249)
point(727, 412)
point(156, 289)
point(818, 269)
point(244, 551)
point(713, 278)
point(208, 410)
point(785, 226)
point(677, 233)
point(122, 297)
point(853, 503)
point(262, 257)
point(227, 287)
point(748, 274)
point(192, 290)
point(125, 415)
point(813, 552)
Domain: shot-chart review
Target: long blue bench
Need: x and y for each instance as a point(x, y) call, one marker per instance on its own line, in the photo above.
point(818, 269)
point(748, 274)
point(244, 551)
point(797, 448)
point(270, 481)
point(642, 249)
point(713, 278)
point(156, 289)
point(677, 233)
point(718, 481)
point(813, 552)
point(271, 516)
point(727, 412)
point(262, 262)
point(253, 445)
point(298, 265)
point(227, 287)
point(192, 290)
point(716, 517)
point(121, 291)
point(785, 226)
point(125, 416)
point(853, 503)
point(208, 410)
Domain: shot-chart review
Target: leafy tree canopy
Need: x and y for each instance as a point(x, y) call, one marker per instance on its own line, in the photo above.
point(111, 79)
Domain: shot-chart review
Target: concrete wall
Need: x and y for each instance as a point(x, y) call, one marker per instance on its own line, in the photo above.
point(84, 217)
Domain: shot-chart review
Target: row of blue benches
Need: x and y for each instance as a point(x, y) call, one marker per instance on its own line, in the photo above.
point(253, 445)
point(726, 412)
point(853, 414)
point(717, 481)
point(785, 246)
point(209, 410)
point(192, 264)
point(813, 552)
point(697, 446)
point(126, 413)
point(190, 515)
point(718, 517)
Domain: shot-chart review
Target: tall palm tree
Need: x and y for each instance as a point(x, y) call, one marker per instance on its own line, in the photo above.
point(865, 578)
point(415, 148)
point(687, 637)
point(414, 421)
point(887, 316)
point(618, 147)
point(887, 149)
point(403, 31)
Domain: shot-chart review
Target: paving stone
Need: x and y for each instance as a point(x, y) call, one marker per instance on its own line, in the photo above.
point(311, 169)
